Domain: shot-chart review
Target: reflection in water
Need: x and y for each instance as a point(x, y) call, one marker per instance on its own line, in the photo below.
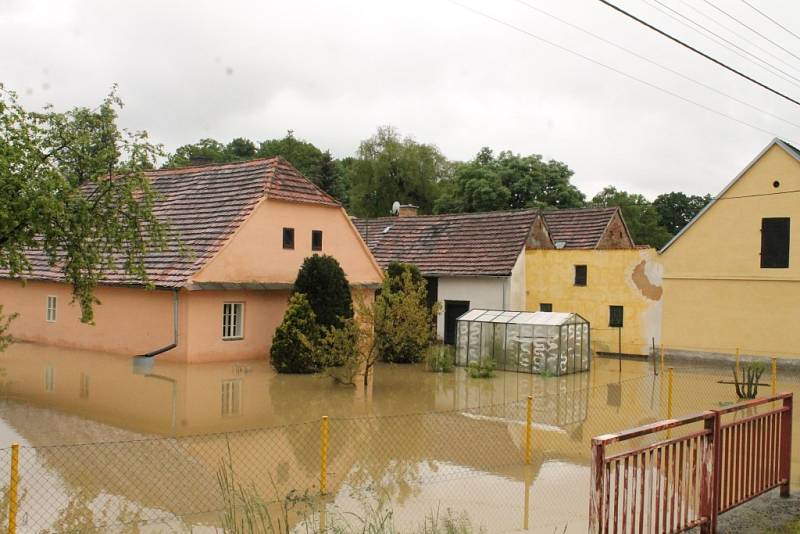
point(420, 439)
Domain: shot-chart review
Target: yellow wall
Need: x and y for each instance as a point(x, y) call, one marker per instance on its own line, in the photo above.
point(626, 277)
point(717, 297)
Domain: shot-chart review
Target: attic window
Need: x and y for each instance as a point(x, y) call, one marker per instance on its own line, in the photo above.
point(776, 184)
point(386, 230)
point(580, 275)
point(560, 244)
point(288, 238)
point(316, 239)
point(775, 243)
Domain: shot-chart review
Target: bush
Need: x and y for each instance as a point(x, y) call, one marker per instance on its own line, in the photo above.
point(340, 351)
point(405, 325)
point(440, 358)
point(483, 369)
point(294, 346)
point(323, 282)
point(747, 385)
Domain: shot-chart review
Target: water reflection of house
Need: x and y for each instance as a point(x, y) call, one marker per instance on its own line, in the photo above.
point(239, 234)
point(573, 260)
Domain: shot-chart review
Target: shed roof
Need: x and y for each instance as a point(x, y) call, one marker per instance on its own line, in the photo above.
point(204, 206)
point(459, 244)
point(539, 318)
point(579, 228)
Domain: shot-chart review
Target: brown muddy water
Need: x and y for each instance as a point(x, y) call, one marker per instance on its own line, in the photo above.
point(106, 442)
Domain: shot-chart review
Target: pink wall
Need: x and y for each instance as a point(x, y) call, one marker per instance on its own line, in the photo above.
point(256, 253)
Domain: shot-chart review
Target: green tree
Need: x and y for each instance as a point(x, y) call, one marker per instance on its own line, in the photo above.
point(404, 327)
point(508, 181)
point(322, 280)
point(639, 213)
point(676, 209)
point(389, 168)
point(204, 151)
point(303, 155)
point(73, 186)
point(294, 345)
point(240, 149)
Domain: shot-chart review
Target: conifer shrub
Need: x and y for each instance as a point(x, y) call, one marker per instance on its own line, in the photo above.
point(294, 346)
point(323, 282)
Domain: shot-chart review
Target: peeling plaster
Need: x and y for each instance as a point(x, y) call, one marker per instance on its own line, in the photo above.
point(641, 279)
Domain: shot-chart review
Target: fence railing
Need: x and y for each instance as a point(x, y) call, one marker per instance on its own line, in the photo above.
point(684, 482)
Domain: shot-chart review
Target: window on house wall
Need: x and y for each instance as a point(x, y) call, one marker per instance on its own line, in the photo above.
point(231, 397)
point(616, 316)
point(580, 275)
point(288, 238)
point(232, 320)
point(316, 239)
point(775, 243)
point(51, 309)
point(545, 307)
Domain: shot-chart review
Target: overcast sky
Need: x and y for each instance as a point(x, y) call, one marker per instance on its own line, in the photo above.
point(333, 71)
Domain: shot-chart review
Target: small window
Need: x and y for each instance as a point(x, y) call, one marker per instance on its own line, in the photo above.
point(316, 239)
point(545, 307)
point(232, 320)
point(580, 275)
point(288, 238)
point(51, 309)
point(231, 397)
point(775, 243)
point(616, 316)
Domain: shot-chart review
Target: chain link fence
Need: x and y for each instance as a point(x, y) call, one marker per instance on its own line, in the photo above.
point(467, 462)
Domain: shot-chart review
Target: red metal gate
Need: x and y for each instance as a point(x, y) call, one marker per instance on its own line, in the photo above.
point(687, 481)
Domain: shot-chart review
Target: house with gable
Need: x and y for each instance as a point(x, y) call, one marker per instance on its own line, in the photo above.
point(732, 275)
point(239, 233)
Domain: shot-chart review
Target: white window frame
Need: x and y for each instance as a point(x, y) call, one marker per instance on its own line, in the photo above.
point(52, 304)
point(232, 329)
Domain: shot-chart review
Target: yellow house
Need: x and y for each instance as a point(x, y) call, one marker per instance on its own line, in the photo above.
point(597, 271)
point(731, 276)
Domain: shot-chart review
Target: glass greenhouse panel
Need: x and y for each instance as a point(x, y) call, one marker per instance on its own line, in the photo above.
point(550, 343)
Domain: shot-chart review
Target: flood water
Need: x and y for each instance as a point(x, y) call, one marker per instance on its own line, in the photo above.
point(106, 441)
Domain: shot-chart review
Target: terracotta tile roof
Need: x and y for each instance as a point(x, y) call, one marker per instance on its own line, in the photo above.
point(579, 227)
point(464, 244)
point(204, 205)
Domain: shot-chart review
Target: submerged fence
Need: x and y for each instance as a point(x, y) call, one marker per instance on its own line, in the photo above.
point(680, 483)
point(508, 464)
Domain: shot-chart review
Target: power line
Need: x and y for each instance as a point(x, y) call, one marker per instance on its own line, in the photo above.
point(699, 52)
point(784, 28)
point(609, 67)
point(751, 29)
point(772, 69)
point(644, 58)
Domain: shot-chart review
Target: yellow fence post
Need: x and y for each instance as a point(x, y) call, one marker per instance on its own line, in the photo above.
point(669, 400)
point(774, 376)
point(662, 358)
point(738, 371)
point(12, 490)
point(528, 435)
point(323, 456)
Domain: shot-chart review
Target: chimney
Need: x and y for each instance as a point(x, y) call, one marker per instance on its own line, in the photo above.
point(408, 210)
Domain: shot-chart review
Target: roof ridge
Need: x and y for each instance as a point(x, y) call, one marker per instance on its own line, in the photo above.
point(186, 168)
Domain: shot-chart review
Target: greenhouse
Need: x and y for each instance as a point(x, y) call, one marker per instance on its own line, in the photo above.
point(528, 342)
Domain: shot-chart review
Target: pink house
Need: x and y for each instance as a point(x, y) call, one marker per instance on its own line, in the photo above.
point(247, 228)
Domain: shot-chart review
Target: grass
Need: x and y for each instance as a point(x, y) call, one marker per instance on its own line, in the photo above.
point(440, 358)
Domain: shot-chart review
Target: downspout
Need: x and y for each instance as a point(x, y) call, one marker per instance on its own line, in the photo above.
point(174, 329)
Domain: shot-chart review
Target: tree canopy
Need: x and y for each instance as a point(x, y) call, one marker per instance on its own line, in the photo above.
point(639, 214)
point(322, 280)
point(508, 181)
point(72, 185)
point(389, 168)
point(676, 209)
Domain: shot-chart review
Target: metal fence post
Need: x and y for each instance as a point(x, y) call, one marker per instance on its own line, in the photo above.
point(597, 497)
point(669, 400)
point(528, 430)
point(12, 490)
point(323, 456)
point(662, 359)
point(786, 445)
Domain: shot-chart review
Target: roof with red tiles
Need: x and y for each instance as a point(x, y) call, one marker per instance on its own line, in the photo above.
point(462, 244)
point(204, 205)
point(580, 228)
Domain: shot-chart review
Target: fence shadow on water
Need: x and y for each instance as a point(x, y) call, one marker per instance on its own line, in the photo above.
point(468, 460)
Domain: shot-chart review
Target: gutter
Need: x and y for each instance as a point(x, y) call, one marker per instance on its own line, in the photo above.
point(174, 330)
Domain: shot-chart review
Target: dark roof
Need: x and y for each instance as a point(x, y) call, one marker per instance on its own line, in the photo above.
point(204, 205)
point(463, 244)
point(579, 227)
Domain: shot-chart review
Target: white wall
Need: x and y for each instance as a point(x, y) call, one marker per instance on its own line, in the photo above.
point(481, 292)
point(516, 296)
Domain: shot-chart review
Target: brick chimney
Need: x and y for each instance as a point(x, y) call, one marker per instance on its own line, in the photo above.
point(408, 210)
